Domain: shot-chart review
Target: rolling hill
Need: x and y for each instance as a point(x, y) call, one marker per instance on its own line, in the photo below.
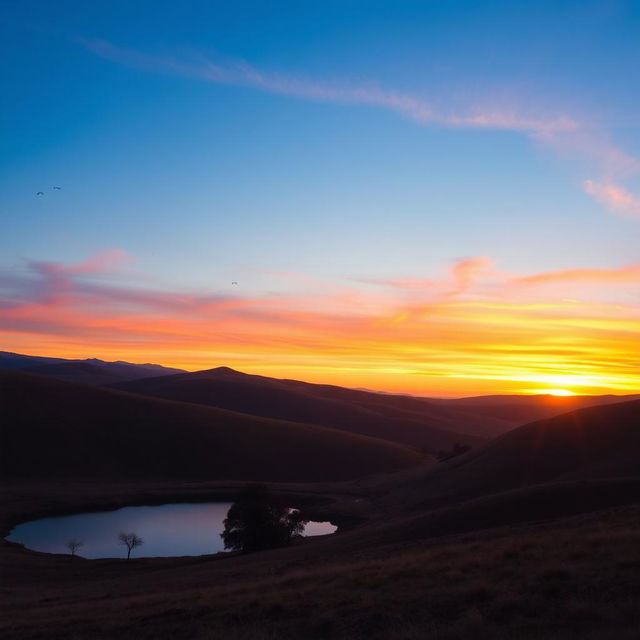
point(56, 429)
point(428, 423)
point(589, 445)
point(403, 419)
point(504, 412)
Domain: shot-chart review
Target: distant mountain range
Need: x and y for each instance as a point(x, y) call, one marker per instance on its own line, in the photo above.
point(89, 371)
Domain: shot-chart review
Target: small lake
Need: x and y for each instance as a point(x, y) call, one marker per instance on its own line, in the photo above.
point(167, 530)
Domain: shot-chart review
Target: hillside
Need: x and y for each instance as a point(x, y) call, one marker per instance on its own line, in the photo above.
point(593, 444)
point(57, 429)
point(429, 423)
point(504, 412)
point(402, 419)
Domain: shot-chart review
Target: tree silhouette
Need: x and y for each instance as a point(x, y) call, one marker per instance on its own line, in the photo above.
point(73, 545)
point(256, 522)
point(131, 541)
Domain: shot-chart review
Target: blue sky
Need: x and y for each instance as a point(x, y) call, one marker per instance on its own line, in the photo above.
point(344, 141)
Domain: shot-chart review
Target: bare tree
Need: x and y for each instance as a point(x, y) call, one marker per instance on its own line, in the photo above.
point(131, 541)
point(73, 545)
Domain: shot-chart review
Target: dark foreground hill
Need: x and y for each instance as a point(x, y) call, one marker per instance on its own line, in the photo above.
point(402, 419)
point(57, 429)
point(89, 371)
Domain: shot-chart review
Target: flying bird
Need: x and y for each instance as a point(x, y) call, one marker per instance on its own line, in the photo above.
point(40, 193)
point(234, 283)
point(56, 188)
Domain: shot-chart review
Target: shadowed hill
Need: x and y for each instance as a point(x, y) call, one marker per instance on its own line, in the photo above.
point(402, 419)
point(504, 412)
point(52, 428)
point(428, 423)
point(596, 443)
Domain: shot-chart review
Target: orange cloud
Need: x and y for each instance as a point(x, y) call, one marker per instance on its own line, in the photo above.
point(621, 275)
point(466, 340)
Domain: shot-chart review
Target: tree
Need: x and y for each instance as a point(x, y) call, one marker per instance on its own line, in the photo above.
point(131, 541)
point(458, 450)
point(73, 545)
point(256, 522)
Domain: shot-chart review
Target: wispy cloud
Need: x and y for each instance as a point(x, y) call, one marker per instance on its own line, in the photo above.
point(414, 107)
point(558, 131)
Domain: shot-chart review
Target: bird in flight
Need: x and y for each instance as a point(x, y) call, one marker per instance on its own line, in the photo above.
point(56, 188)
point(40, 193)
point(234, 283)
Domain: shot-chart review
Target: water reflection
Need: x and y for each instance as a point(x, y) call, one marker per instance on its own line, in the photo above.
point(167, 530)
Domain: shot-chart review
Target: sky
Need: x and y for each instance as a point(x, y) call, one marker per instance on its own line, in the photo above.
point(437, 198)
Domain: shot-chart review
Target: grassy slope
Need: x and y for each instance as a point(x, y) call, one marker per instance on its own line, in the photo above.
point(53, 428)
point(574, 578)
point(594, 443)
point(504, 412)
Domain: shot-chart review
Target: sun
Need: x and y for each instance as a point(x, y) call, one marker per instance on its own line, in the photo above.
point(559, 392)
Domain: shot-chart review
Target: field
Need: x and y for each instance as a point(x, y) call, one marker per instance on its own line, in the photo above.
point(576, 577)
point(532, 535)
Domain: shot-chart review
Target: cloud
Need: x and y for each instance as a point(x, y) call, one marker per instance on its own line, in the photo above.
point(469, 338)
point(411, 106)
point(614, 197)
point(558, 131)
point(621, 275)
point(468, 270)
point(461, 276)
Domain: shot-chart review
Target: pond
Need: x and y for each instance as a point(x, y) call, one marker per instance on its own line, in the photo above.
point(167, 530)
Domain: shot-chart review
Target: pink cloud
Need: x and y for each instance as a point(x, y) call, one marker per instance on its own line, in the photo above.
point(614, 197)
point(462, 275)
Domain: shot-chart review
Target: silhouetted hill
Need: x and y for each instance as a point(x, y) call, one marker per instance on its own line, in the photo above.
point(593, 444)
point(54, 429)
point(504, 412)
point(402, 419)
point(432, 424)
point(89, 371)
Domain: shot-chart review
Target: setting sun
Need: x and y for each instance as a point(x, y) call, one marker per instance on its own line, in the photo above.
point(559, 392)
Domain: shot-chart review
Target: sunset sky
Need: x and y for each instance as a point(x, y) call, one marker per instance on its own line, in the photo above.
point(440, 198)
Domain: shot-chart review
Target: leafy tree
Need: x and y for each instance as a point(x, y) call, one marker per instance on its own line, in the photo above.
point(256, 522)
point(73, 545)
point(131, 541)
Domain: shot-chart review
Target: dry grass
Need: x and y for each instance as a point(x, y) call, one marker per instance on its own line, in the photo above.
point(579, 578)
